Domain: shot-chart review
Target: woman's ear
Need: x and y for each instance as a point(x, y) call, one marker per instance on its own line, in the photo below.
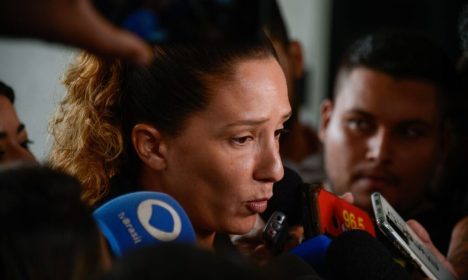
point(149, 145)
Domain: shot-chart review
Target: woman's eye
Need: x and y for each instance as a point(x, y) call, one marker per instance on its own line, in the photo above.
point(25, 144)
point(242, 140)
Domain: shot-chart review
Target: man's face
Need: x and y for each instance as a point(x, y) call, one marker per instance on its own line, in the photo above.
point(13, 136)
point(381, 134)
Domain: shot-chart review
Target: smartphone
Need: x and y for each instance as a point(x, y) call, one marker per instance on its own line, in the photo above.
point(407, 242)
point(326, 213)
point(275, 232)
point(181, 21)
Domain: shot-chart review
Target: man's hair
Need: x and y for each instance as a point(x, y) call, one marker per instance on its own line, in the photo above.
point(404, 55)
point(7, 91)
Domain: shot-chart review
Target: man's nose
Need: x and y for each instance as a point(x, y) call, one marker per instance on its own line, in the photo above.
point(379, 147)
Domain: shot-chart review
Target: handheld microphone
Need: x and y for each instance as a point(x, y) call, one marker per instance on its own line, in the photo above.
point(355, 254)
point(313, 251)
point(286, 195)
point(143, 218)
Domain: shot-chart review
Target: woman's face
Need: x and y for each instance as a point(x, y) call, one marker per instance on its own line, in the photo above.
point(222, 167)
point(13, 136)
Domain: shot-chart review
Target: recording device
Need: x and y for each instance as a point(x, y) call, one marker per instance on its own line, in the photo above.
point(181, 21)
point(403, 237)
point(140, 219)
point(326, 213)
point(275, 232)
point(356, 254)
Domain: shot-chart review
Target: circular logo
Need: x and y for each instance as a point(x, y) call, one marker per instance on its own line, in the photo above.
point(144, 213)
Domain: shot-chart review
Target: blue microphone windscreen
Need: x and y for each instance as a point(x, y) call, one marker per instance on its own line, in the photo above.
point(143, 218)
point(313, 251)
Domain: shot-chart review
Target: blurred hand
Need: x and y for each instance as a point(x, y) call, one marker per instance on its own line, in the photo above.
point(426, 239)
point(348, 197)
point(458, 249)
point(71, 22)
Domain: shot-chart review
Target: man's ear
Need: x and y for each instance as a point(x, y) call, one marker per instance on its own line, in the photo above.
point(149, 145)
point(297, 59)
point(326, 110)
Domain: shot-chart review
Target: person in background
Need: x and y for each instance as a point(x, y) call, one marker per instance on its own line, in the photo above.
point(457, 256)
point(300, 148)
point(49, 233)
point(388, 127)
point(14, 141)
point(202, 123)
point(458, 250)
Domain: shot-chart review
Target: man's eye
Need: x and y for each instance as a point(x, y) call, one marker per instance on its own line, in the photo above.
point(412, 132)
point(25, 144)
point(359, 124)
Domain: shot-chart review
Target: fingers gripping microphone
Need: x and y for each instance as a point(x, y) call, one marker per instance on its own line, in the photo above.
point(145, 218)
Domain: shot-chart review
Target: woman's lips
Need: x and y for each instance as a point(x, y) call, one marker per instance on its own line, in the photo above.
point(257, 206)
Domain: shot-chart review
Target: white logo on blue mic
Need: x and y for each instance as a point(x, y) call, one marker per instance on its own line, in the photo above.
point(145, 212)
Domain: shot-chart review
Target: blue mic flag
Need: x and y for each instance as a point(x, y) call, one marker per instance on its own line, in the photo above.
point(143, 218)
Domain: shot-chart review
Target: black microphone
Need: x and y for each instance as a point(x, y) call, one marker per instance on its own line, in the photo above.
point(355, 254)
point(286, 198)
point(291, 267)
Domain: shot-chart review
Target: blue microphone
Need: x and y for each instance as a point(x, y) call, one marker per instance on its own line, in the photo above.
point(139, 219)
point(313, 251)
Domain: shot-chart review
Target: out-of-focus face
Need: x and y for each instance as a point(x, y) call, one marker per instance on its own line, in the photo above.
point(291, 61)
point(13, 136)
point(286, 64)
point(222, 167)
point(383, 135)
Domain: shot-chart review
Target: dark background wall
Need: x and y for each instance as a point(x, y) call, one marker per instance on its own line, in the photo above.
point(351, 19)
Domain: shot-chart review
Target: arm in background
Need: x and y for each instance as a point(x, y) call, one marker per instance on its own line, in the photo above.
point(71, 22)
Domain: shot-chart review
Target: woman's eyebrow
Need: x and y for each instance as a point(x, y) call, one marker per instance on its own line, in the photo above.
point(254, 122)
point(247, 122)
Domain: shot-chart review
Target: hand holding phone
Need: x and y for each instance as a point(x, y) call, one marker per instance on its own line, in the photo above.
point(406, 240)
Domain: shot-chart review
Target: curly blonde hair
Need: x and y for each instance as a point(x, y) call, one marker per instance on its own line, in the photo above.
point(87, 139)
